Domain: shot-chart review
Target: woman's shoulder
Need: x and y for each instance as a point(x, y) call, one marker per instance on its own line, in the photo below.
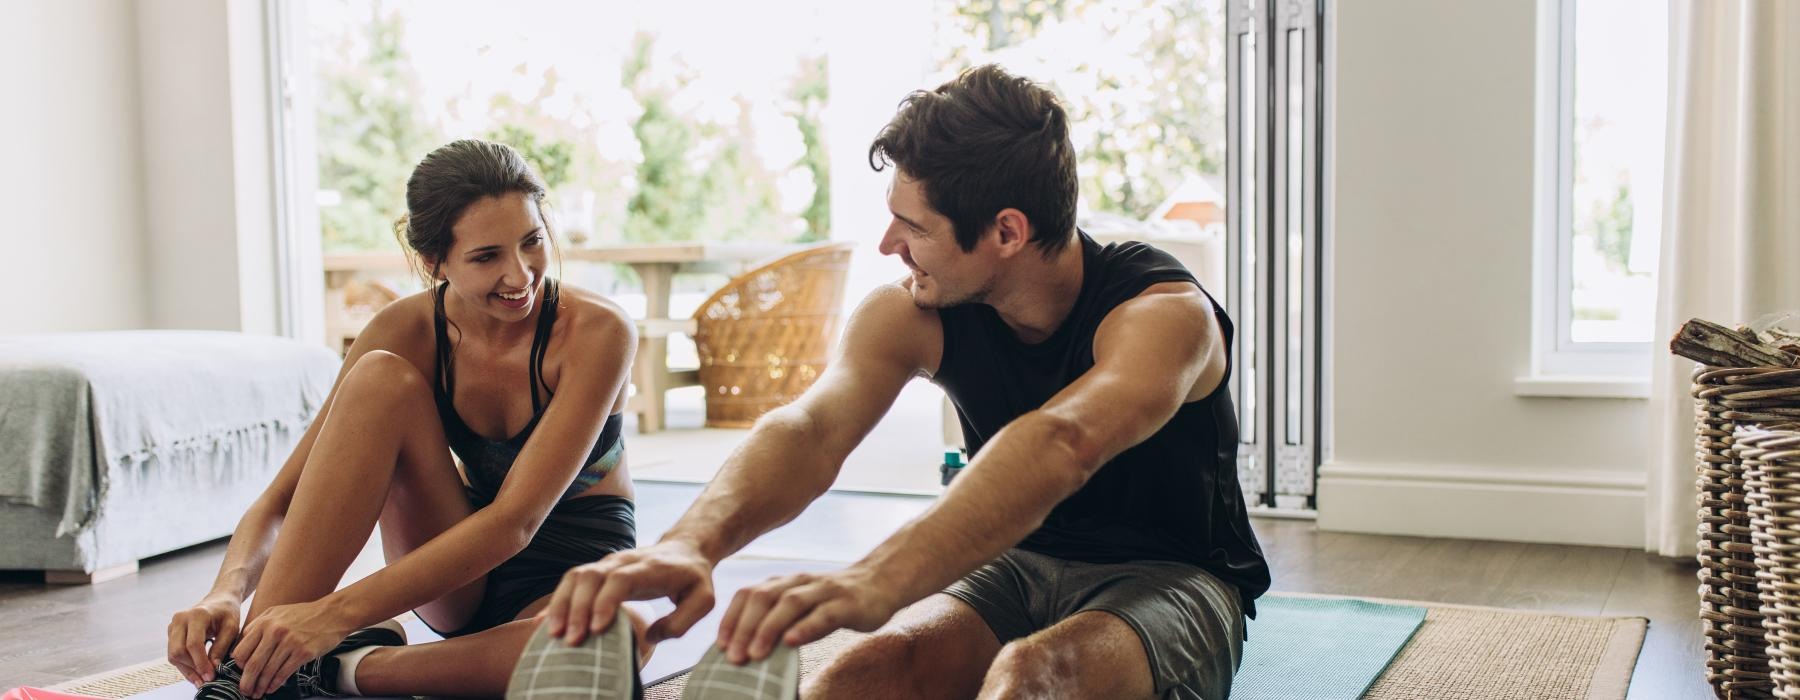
point(591, 315)
point(405, 324)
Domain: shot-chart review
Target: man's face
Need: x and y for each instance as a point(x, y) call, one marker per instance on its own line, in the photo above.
point(942, 274)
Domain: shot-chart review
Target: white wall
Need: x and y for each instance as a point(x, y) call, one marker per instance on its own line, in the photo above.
point(1433, 197)
point(207, 176)
point(139, 191)
point(72, 230)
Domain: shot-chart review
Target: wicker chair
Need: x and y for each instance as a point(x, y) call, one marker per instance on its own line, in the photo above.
point(765, 336)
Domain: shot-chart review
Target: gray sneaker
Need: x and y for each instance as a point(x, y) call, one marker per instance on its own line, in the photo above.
point(775, 677)
point(604, 667)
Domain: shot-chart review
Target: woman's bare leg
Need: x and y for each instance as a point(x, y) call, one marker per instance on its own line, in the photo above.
point(380, 455)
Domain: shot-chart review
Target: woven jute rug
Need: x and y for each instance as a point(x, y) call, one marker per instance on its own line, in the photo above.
point(1474, 653)
point(1459, 653)
point(124, 682)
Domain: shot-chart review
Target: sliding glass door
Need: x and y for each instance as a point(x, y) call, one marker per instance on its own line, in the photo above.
point(1276, 244)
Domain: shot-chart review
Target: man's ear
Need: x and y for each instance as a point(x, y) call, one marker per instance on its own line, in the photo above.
point(1012, 231)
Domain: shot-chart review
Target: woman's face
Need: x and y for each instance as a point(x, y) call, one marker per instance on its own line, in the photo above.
point(497, 259)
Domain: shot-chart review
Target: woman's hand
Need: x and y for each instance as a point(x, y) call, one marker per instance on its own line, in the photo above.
point(282, 638)
point(213, 620)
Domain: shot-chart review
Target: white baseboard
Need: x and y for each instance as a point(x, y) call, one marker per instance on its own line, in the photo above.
point(1560, 506)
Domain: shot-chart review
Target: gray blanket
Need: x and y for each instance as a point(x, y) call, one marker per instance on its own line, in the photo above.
point(74, 406)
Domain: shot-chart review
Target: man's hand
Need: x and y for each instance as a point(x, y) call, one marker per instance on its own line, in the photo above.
point(802, 608)
point(590, 594)
point(282, 638)
point(214, 621)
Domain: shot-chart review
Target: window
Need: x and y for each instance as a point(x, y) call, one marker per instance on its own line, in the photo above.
point(645, 124)
point(650, 126)
point(1603, 81)
point(1197, 124)
point(1144, 84)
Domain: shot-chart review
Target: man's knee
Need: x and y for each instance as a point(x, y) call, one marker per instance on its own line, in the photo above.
point(1024, 664)
point(869, 667)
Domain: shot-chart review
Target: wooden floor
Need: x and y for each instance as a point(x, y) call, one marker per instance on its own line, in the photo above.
point(50, 634)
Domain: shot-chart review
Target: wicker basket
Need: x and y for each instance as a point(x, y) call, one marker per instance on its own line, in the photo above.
point(1771, 460)
point(764, 337)
point(1727, 398)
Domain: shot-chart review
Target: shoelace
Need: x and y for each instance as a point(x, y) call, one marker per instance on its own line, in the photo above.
point(224, 685)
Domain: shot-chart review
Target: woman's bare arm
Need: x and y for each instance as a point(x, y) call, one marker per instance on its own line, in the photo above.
point(600, 344)
point(200, 636)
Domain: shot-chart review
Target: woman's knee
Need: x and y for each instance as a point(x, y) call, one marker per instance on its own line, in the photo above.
point(380, 375)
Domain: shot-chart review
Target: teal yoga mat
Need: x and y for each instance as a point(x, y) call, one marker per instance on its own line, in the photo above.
point(1320, 648)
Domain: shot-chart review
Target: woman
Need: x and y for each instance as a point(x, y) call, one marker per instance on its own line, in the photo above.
point(520, 378)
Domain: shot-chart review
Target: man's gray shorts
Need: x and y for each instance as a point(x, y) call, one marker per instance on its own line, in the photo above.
point(1191, 623)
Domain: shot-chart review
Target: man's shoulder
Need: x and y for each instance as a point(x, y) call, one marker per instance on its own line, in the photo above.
point(892, 302)
point(889, 322)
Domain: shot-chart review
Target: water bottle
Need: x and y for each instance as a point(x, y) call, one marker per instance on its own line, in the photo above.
point(953, 465)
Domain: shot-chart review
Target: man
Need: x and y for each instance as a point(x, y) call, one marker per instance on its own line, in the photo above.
point(1097, 545)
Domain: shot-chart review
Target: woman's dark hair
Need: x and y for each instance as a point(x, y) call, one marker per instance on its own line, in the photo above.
point(987, 141)
point(446, 182)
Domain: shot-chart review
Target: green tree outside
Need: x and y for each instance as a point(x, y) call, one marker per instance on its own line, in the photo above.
point(693, 179)
point(1140, 129)
point(369, 134)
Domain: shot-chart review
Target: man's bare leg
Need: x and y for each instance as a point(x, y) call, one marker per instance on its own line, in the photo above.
point(1090, 654)
point(937, 648)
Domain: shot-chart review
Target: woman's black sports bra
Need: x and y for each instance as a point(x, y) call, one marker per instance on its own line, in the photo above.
point(486, 461)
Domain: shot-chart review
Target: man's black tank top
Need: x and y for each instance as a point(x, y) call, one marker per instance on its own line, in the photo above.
point(1174, 497)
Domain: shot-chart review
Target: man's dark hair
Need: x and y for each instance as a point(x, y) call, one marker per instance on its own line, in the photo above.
point(987, 141)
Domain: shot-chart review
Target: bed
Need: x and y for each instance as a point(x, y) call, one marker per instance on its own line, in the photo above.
point(119, 446)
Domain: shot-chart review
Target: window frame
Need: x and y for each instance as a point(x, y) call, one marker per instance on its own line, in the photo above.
point(1594, 369)
point(300, 288)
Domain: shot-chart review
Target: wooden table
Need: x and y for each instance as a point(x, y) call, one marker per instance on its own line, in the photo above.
point(656, 265)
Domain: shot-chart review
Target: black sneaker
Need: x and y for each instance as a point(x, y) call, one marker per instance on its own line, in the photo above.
point(224, 685)
point(315, 678)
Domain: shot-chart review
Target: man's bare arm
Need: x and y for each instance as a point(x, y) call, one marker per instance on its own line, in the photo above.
point(794, 453)
point(1140, 378)
point(790, 458)
point(1151, 355)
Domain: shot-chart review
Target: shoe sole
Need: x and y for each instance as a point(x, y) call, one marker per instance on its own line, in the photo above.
point(775, 677)
point(603, 667)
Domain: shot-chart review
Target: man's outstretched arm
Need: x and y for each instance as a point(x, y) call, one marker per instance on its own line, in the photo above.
point(790, 458)
point(1152, 354)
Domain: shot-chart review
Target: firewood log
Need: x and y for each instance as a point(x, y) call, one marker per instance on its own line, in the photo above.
point(1712, 344)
